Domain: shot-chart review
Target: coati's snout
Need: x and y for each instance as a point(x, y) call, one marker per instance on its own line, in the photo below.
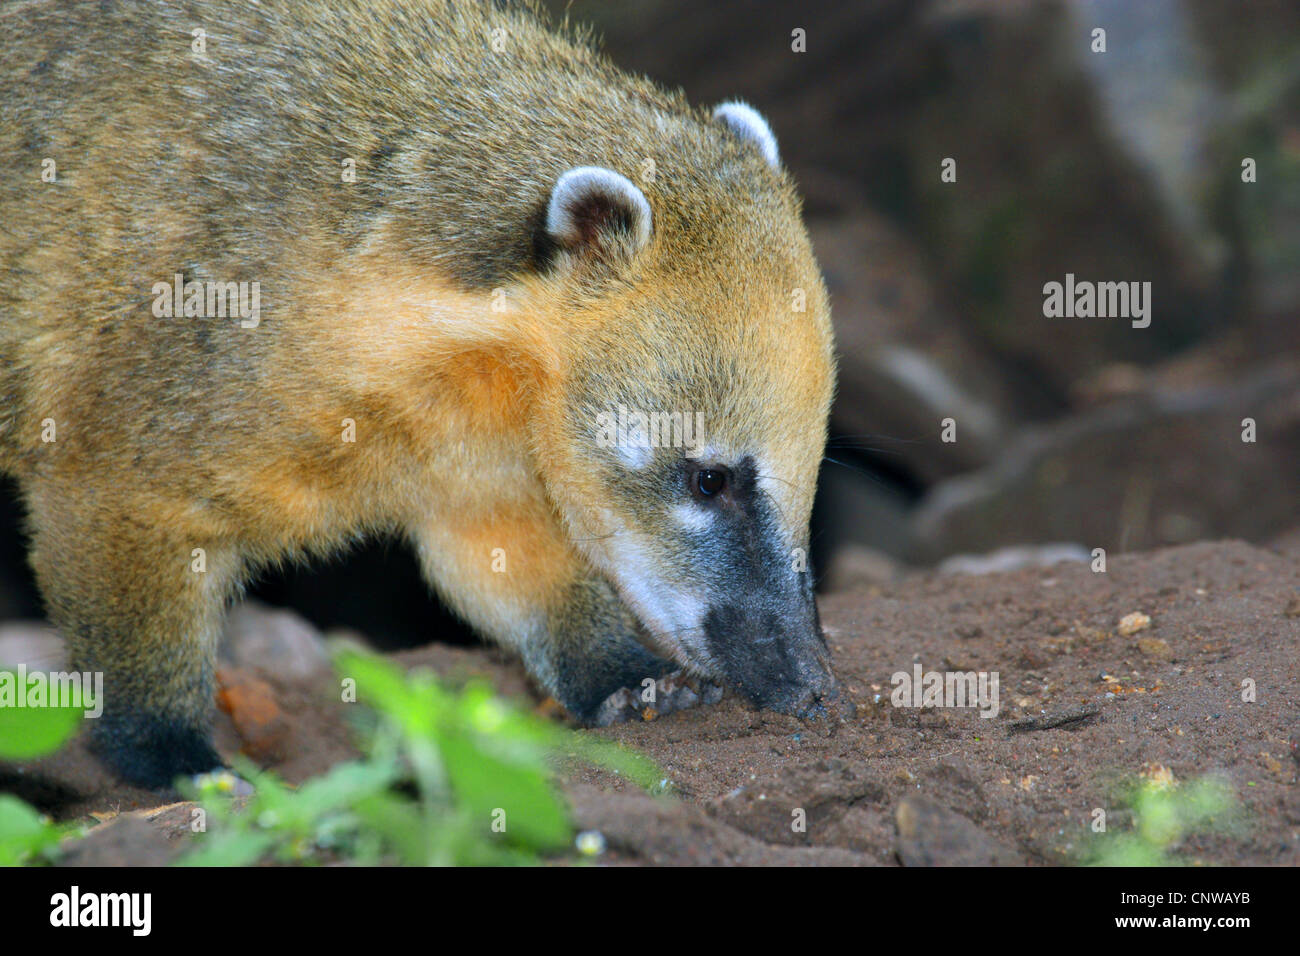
point(760, 633)
point(719, 577)
point(771, 649)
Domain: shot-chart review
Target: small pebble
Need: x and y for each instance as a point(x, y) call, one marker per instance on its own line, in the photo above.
point(590, 843)
point(1130, 624)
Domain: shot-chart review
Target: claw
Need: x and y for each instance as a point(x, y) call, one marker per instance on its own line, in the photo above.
point(674, 691)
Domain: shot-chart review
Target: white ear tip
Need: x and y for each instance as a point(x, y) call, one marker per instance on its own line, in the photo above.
point(748, 123)
point(584, 183)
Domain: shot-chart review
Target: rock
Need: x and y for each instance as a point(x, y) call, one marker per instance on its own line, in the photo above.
point(1164, 468)
point(857, 509)
point(1156, 648)
point(127, 840)
point(856, 565)
point(275, 641)
point(251, 704)
point(1041, 147)
point(1014, 558)
point(1155, 95)
point(1130, 624)
point(905, 362)
point(32, 643)
point(176, 821)
point(862, 829)
point(931, 835)
point(1252, 59)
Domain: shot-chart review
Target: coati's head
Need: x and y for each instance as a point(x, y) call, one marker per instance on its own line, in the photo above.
point(683, 440)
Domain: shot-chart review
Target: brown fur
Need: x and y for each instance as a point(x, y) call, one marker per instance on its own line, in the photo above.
point(184, 433)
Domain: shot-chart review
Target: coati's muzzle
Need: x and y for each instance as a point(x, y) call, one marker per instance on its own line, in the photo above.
point(771, 649)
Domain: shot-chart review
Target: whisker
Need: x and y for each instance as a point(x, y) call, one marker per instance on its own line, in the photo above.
point(602, 537)
point(876, 437)
point(776, 478)
point(860, 471)
point(873, 449)
point(768, 497)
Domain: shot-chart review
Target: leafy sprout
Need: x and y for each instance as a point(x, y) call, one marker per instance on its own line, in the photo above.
point(1165, 813)
point(449, 777)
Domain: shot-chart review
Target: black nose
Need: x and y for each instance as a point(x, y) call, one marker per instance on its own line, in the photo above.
point(826, 704)
point(775, 655)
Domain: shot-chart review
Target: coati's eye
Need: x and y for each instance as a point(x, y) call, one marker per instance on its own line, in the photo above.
point(709, 482)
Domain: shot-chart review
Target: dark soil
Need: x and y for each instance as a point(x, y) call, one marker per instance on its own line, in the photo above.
point(1085, 714)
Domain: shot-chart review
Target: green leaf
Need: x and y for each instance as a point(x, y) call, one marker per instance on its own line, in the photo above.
point(441, 768)
point(29, 732)
point(232, 848)
point(24, 833)
point(487, 786)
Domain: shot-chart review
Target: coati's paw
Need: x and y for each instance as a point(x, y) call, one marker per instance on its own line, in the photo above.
point(151, 751)
point(672, 692)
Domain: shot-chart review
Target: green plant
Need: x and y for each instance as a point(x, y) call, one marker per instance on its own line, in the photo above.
point(29, 729)
point(1164, 814)
point(26, 835)
point(448, 778)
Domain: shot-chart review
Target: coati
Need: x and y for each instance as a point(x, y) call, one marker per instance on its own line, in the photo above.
point(473, 245)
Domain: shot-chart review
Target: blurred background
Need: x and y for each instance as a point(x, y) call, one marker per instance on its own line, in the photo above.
point(1072, 433)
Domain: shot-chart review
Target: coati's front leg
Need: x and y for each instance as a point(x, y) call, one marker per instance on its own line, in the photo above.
point(140, 605)
point(513, 574)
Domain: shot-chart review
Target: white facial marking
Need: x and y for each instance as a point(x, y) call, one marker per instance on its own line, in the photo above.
point(748, 123)
point(707, 454)
point(674, 616)
point(667, 611)
point(693, 517)
point(635, 457)
point(769, 485)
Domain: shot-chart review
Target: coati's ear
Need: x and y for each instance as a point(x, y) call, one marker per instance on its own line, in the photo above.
point(592, 208)
point(748, 123)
